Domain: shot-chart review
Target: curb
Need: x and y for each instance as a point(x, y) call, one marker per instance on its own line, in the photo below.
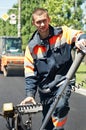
point(81, 91)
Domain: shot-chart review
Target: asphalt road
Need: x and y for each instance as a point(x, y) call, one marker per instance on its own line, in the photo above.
point(12, 90)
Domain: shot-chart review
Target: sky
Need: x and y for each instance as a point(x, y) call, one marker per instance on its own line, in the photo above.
point(6, 5)
point(84, 7)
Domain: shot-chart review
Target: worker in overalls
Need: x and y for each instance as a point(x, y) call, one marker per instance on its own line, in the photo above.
point(47, 59)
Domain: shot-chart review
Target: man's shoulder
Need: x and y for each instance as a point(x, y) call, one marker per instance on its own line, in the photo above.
point(33, 41)
point(57, 30)
point(33, 36)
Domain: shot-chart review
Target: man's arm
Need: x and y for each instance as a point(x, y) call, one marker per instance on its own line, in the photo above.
point(30, 78)
point(74, 36)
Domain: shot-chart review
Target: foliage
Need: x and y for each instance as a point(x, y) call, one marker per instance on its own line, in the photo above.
point(7, 28)
point(65, 12)
point(61, 12)
point(81, 74)
point(26, 19)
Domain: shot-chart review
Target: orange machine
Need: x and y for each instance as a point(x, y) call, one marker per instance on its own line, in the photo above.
point(11, 55)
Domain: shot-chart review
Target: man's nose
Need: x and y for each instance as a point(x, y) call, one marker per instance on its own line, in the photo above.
point(42, 23)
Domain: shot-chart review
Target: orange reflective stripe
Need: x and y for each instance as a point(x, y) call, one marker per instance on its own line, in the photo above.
point(26, 59)
point(28, 63)
point(30, 68)
point(59, 123)
point(70, 34)
point(53, 120)
point(52, 40)
point(39, 49)
point(29, 71)
point(28, 55)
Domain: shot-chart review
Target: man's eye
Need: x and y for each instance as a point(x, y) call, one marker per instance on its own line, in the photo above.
point(39, 22)
point(43, 21)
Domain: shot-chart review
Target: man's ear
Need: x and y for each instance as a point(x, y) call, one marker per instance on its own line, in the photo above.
point(32, 22)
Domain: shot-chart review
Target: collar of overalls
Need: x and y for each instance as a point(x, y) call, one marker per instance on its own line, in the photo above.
point(52, 32)
point(36, 40)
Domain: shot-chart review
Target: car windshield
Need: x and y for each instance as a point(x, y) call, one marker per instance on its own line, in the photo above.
point(13, 45)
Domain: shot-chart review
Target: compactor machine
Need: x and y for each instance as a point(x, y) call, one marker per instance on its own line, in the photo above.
point(11, 55)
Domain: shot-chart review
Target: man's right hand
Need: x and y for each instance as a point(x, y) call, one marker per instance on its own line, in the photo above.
point(28, 100)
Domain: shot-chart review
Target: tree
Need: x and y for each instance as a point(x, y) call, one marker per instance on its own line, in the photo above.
point(62, 12)
point(26, 19)
point(65, 12)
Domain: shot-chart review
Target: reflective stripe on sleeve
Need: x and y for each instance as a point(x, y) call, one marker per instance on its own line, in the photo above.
point(28, 55)
point(59, 122)
point(28, 64)
point(70, 34)
point(29, 74)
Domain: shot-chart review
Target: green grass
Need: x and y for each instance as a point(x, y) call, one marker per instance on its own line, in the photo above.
point(81, 74)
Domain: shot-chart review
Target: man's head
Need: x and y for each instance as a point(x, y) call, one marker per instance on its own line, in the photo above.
point(40, 19)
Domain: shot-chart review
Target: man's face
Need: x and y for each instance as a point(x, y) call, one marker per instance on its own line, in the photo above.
point(41, 22)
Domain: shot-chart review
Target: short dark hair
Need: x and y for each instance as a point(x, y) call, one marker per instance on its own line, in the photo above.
point(39, 11)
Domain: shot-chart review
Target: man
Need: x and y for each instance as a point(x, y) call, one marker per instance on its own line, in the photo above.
point(47, 59)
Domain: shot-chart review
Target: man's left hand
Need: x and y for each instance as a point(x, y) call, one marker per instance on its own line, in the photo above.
point(81, 45)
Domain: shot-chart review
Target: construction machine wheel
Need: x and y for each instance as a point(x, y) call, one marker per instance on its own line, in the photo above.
point(5, 72)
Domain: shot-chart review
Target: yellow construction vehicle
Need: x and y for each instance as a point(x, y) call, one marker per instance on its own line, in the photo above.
point(11, 55)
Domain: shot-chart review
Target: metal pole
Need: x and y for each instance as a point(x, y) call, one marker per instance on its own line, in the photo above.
point(19, 18)
point(69, 76)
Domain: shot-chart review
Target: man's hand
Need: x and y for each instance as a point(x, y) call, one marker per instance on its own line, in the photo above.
point(81, 45)
point(28, 100)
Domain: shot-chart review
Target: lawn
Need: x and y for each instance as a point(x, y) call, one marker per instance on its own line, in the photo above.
point(81, 74)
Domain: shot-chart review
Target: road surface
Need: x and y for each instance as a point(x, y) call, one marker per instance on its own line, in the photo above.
point(12, 90)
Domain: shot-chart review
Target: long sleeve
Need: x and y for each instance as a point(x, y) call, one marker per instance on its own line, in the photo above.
point(30, 74)
point(71, 35)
